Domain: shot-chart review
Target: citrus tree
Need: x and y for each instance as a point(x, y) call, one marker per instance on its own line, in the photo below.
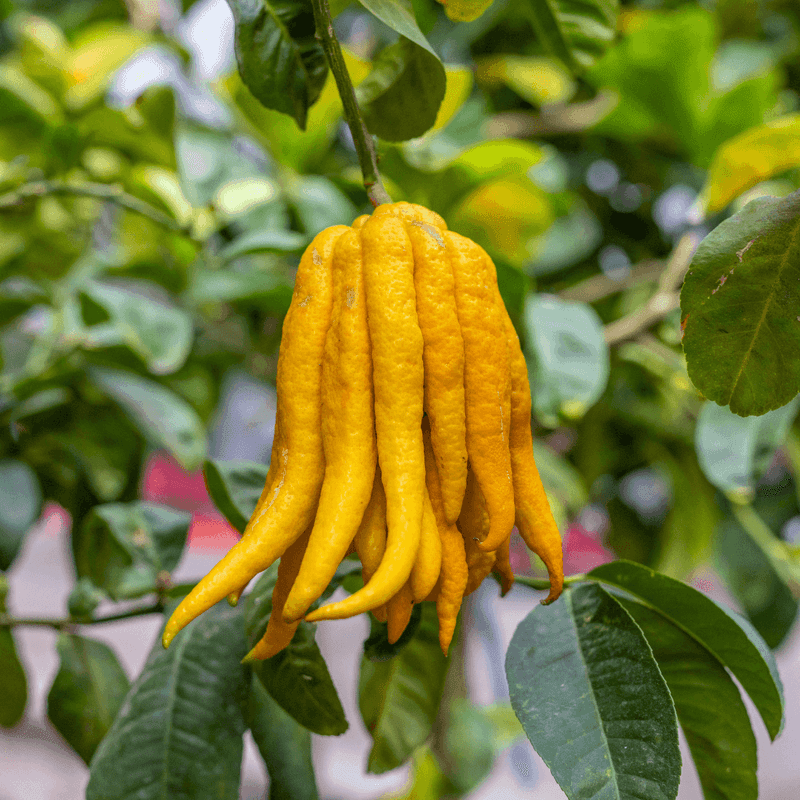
point(621, 180)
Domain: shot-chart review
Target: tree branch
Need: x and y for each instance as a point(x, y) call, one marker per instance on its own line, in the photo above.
point(666, 299)
point(7, 621)
point(362, 139)
point(98, 191)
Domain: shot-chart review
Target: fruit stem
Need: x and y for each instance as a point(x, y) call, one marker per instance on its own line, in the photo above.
point(362, 139)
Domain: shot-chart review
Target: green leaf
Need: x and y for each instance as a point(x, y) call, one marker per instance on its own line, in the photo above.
point(14, 696)
point(728, 636)
point(569, 357)
point(734, 452)
point(377, 646)
point(284, 745)
point(577, 32)
point(297, 678)
point(399, 698)
point(279, 58)
point(399, 16)
point(20, 506)
point(585, 686)
point(469, 746)
point(299, 681)
point(755, 573)
point(161, 415)
point(125, 548)
point(751, 157)
point(179, 733)
point(235, 487)
point(739, 302)
point(319, 203)
point(271, 289)
point(160, 333)
point(87, 692)
point(710, 710)
point(263, 242)
point(400, 98)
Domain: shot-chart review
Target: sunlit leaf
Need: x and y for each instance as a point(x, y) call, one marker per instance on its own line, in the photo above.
point(585, 686)
point(87, 692)
point(751, 157)
point(280, 60)
point(739, 303)
point(537, 79)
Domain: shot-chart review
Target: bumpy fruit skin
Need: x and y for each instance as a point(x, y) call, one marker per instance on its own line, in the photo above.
point(289, 499)
point(402, 435)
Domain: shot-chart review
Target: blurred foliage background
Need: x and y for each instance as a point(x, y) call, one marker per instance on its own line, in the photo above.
point(152, 214)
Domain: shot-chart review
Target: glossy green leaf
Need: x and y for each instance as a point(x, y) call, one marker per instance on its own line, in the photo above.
point(725, 634)
point(733, 451)
point(279, 58)
point(87, 692)
point(575, 31)
point(399, 698)
point(585, 686)
point(14, 696)
point(400, 98)
point(160, 333)
point(297, 678)
point(179, 732)
point(751, 157)
point(127, 548)
point(568, 356)
point(164, 418)
point(739, 302)
point(710, 710)
point(284, 745)
point(399, 16)
point(20, 506)
point(235, 487)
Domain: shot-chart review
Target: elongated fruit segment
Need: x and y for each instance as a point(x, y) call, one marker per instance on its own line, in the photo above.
point(279, 633)
point(398, 386)
point(348, 431)
point(425, 571)
point(299, 460)
point(485, 378)
point(443, 359)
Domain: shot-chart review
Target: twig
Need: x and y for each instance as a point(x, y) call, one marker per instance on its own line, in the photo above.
point(599, 286)
point(553, 120)
point(664, 301)
point(7, 621)
point(362, 139)
point(99, 191)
